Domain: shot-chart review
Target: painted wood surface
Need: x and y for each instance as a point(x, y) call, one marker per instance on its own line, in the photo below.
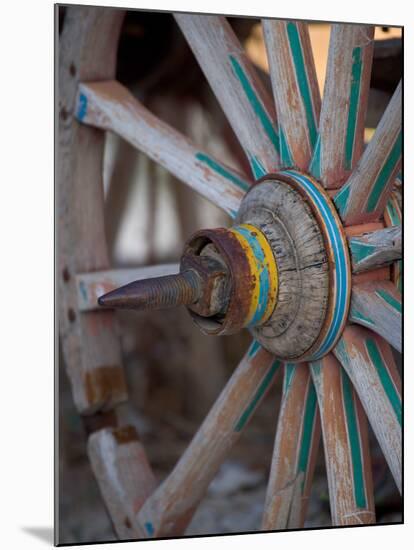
point(337, 253)
point(377, 306)
point(110, 106)
point(90, 286)
point(294, 454)
point(278, 210)
point(344, 105)
point(233, 79)
point(393, 218)
point(87, 50)
point(365, 194)
point(345, 439)
point(295, 89)
point(170, 508)
point(369, 362)
point(124, 476)
point(375, 249)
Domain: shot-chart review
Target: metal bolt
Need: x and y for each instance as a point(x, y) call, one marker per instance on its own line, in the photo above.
point(157, 293)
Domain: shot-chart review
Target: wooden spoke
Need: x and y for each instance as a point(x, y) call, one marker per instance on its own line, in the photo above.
point(365, 194)
point(377, 306)
point(124, 476)
point(110, 106)
point(341, 128)
point(369, 362)
point(90, 286)
point(294, 454)
point(393, 218)
point(169, 510)
point(295, 89)
point(375, 249)
point(345, 439)
point(233, 80)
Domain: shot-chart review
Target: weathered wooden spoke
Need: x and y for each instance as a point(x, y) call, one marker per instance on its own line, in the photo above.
point(393, 218)
point(170, 508)
point(295, 89)
point(377, 306)
point(345, 439)
point(241, 94)
point(294, 454)
point(345, 98)
point(375, 249)
point(369, 362)
point(124, 476)
point(110, 106)
point(365, 194)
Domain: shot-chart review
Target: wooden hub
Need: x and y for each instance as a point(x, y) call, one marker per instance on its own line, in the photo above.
point(289, 268)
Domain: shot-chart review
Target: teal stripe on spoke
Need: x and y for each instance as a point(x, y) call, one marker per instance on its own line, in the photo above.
point(257, 167)
point(341, 199)
point(384, 175)
point(307, 432)
point(255, 103)
point(285, 154)
point(354, 442)
point(302, 79)
point(253, 349)
point(353, 107)
point(355, 314)
point(290, 370)
point(315, 165)
point(361, 251)
point(384, 376)
point(222, 171)
point(395, 304)
point(392, 213)
point(258, 395)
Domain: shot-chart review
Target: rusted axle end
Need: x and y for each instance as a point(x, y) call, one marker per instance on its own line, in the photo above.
point(156, 293)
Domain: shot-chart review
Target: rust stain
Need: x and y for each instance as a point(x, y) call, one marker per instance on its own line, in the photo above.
point(103, 383)
point(126, 434)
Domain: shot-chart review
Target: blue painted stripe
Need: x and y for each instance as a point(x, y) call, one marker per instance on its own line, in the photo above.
point(341, 272)
point(264, 281)
point(82, 107)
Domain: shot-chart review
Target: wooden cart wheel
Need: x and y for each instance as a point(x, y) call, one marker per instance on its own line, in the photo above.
point(312, 266)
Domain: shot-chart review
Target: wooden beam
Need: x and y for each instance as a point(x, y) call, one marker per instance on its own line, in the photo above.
point(124, 476)
point(365, 194)
point(233, 79)
point(375, 249)
point(90, 286)
point(345, 439)
point(344, 105)
point(91, 348)
point(170, 508)
point(377, 306)
point(110, 106)
point(294, 454)
point(369, 362)
point(295, 89)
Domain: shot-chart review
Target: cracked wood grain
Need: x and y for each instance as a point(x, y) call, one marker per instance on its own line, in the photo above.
point(110, 106)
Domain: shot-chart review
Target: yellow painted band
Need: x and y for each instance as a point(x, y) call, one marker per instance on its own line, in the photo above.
point(257, 266)
point(271, 265)
point(254, 302)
